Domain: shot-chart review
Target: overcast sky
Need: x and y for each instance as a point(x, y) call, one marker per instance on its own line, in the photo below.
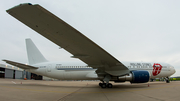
point(130, 30)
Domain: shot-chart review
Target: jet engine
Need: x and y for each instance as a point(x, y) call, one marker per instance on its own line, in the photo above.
point(138, 76)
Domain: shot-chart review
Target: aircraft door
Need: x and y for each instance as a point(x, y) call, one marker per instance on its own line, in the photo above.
point(49, 68)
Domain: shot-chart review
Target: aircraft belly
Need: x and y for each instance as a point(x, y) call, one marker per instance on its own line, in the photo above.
point(72, 75)
point(38, 71)
point(78, 75)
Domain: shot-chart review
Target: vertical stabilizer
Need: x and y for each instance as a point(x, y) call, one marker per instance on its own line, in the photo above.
point(34, 55)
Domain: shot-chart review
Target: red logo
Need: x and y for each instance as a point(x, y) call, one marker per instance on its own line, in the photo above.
point(156, 69)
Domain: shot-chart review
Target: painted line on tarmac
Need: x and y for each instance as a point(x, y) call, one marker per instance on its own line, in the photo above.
point(13, 82)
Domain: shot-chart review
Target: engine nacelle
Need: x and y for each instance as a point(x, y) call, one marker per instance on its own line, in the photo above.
point(139, 76)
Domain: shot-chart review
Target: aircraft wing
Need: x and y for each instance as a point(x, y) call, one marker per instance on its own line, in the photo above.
point(20, 65)
point(67, 37)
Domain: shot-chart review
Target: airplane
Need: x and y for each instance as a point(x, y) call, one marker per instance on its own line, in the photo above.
point(100, 64)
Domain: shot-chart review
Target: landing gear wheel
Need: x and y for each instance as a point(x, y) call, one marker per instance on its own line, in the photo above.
point(100, 84)
point(103, 85)
point(109, 85)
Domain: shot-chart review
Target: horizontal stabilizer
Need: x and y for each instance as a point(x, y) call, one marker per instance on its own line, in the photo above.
point(20, 65)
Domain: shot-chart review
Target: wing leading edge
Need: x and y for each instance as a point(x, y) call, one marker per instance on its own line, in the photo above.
point(62, 34)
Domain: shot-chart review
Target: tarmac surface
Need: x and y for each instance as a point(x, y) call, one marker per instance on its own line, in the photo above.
point(33, 90)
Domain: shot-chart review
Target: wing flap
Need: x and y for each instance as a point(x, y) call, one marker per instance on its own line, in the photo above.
point(20, 65)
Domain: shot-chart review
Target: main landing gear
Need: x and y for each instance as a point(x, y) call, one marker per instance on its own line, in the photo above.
point(107, 84)
point(104, 85)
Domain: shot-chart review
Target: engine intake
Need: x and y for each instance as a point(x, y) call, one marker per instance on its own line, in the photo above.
point(138, 76)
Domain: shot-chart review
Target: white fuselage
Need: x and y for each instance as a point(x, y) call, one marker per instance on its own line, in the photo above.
point(65, 72)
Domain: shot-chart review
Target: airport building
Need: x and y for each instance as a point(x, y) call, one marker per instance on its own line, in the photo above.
point(12, 72)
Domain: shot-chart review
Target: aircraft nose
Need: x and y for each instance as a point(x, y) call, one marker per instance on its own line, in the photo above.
point(174, 70)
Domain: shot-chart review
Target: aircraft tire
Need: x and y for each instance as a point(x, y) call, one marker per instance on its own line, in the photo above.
point(103, 85)
point(109, 85)
point(100, 84)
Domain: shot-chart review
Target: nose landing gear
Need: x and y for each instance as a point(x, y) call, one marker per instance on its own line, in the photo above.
point(167, 80)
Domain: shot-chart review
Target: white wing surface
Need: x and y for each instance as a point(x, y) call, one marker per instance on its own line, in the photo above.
point(62, 34)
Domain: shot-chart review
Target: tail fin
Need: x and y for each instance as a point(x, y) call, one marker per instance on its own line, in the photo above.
point(34, 55)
